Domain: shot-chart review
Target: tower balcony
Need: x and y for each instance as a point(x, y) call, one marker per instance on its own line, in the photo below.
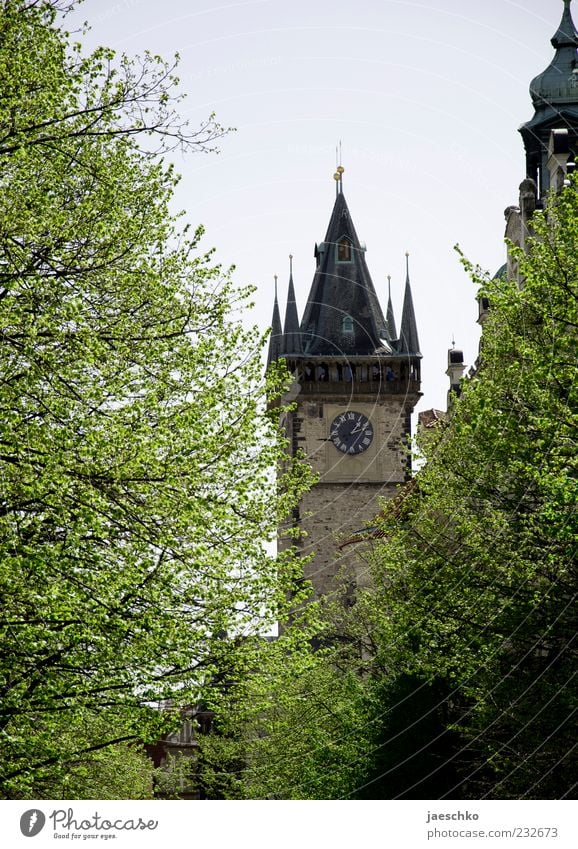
point(356, 376)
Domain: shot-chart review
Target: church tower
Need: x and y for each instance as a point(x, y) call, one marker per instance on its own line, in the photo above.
point(356, 383)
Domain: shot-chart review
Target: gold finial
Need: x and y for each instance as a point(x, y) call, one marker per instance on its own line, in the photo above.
point(338, 176)
point(339, 169)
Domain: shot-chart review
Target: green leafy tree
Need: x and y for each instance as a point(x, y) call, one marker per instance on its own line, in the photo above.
point(136, 493)
point(292, 727)
point(87, 766)
point(475, 584)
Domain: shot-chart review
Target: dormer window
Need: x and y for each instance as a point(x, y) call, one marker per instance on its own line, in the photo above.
point(347, 324)
point(344, 250)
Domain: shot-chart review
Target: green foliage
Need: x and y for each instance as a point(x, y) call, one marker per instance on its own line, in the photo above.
point(137, 499)
point(176, 778)
point(294, 728)
point(475, 590)
point(88, 765)
point(412, 751)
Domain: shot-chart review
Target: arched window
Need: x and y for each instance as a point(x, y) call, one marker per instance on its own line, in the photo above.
point(308, 372)
point(347, 324)
point(344, 250)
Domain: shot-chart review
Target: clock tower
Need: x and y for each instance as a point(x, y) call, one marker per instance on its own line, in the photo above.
point(356, 382)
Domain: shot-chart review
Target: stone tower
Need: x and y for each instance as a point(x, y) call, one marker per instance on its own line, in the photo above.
point(356, 382)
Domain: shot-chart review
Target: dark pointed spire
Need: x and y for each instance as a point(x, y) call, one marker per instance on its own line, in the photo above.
point(291, 342)
point(342, 314)
point(276, 338)
point(408, 338)
point(392, 332)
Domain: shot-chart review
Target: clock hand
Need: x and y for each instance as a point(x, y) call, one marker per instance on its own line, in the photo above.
point(359, 427)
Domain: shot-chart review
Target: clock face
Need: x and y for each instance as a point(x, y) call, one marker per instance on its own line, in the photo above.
point(351, 433)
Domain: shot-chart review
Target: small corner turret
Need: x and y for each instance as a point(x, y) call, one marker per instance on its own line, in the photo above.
point(391, 331)
point(408, 337)
point(276, 337)
point(455, 371)
point(291, 341)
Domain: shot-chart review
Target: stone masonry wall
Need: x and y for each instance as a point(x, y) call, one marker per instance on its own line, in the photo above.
point(347, 497)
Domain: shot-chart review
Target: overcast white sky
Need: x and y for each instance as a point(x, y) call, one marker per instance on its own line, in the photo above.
point(426, 98)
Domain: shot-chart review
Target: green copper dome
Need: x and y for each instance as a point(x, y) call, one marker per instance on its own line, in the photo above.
point(555, 96)
point(559, 82)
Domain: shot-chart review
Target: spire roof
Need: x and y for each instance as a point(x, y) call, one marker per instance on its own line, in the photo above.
point(343, 315)
point(408, 338)
point(291, 341)
point(566, 34)
point(558, 85)
point(276, 337)
point(392, 332)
